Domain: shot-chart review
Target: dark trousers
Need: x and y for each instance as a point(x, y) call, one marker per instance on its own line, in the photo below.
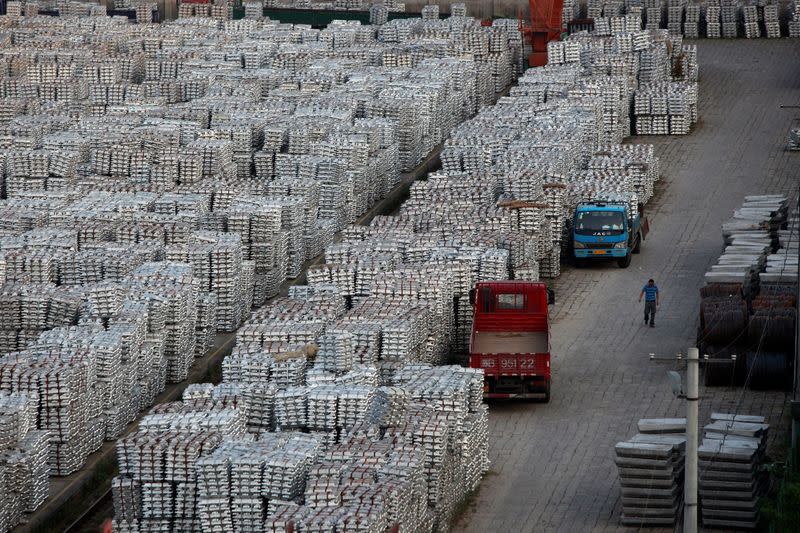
point(650, 311)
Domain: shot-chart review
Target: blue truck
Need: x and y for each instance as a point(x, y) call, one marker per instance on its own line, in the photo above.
point(608, 227)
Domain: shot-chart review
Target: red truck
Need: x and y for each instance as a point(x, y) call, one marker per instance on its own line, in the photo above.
point(510, 338)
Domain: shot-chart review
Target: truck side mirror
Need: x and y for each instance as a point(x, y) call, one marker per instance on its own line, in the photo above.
point(551, 296)
point(472, 296)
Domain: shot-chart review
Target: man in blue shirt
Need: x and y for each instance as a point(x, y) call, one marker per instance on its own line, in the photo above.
point(651, 301)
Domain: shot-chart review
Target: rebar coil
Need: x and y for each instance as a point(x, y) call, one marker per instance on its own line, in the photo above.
point(770, 302)
point(721, 289)
point(719, 373)
point(775, 295)
point(722, 318)
point(773, 328)
point(769, 370)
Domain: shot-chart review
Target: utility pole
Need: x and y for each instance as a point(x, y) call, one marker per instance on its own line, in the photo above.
point(692, 395)
point(795, 402)
point(690, 503)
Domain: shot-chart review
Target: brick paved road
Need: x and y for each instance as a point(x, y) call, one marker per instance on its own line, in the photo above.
point(553, 464)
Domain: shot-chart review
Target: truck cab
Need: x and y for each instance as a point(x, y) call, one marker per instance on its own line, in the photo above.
point(604, 229)
point(510, 339)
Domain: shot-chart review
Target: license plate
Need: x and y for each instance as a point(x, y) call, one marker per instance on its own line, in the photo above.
point(599, 252)
point(517, 363)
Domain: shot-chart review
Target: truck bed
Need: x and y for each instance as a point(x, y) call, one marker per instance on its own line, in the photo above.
point(506, 342)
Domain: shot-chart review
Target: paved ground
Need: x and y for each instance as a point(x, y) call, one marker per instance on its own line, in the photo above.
point(552, 465)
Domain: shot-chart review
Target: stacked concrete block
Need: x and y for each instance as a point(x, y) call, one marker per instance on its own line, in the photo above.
point(651, 469)
point(732, 478)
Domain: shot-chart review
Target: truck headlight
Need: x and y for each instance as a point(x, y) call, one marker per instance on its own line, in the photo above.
point(621, 244)
point(579, 245)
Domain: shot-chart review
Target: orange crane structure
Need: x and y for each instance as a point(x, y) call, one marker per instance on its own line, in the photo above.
point(545, 25)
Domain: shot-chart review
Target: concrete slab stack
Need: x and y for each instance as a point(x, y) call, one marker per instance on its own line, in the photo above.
point(782, 265)
point(732, 287)
point(651, 469)
point(750, 236)
point(732, 478)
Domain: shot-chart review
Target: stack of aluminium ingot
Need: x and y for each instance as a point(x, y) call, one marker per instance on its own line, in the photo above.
point(723, 18)
point(178, 468)
point(751, 27)
point(430, 12)
point(691, 24)
point(666, 108)
point(174, 283)
point(378, 14)
point(794, 23)
point(713, 22)
point(139, 132)
point(772, 23)
point(458, 9)
point(675, 9)
point(729, 15)
point(219, 143)
point(24, 468)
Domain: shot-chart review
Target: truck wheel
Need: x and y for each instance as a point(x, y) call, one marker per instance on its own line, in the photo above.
point(579, 262)
point(637, 246)
point(624, 262)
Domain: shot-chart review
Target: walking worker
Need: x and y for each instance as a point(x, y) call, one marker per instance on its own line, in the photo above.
point(651, 301)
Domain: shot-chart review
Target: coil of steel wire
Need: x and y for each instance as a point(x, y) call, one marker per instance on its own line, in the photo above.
point(720, 368)
point(768, 370)
point(773, 328)
point(721, 289)
point(722, 318)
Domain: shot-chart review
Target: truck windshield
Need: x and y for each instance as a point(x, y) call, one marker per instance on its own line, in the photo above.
point(599, 223)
